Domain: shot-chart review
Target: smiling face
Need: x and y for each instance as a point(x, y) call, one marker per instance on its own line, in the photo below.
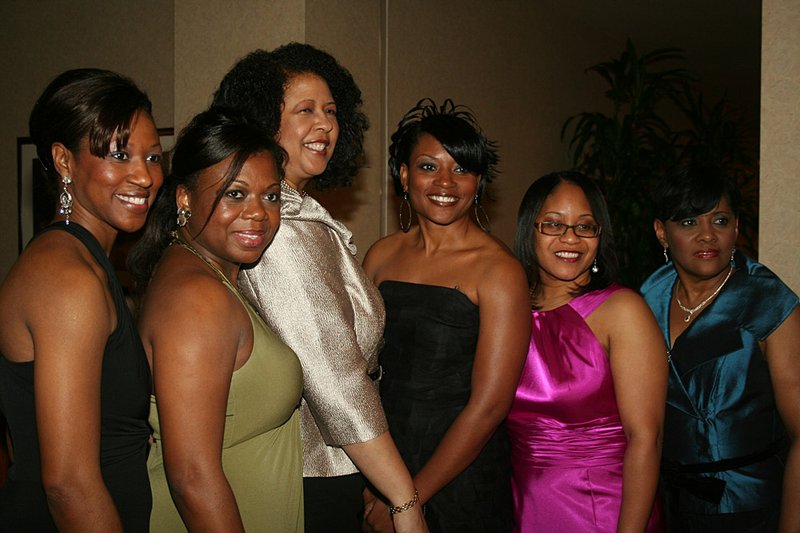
point(701, 246)
point(113, 193)
point(309, 129)
point(565, 259)
point(245, 220)
point(440, 190)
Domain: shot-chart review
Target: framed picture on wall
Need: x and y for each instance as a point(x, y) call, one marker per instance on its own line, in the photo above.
point(37, 198)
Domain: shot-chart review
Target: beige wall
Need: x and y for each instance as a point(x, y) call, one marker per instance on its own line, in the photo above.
point(38, 40)
point(500, 59)
point(779, 240)
point(518, 65)
point(211, 36)
point(352, 32)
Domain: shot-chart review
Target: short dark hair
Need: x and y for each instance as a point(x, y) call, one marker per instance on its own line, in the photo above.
point(455, 128)
point(692, 188)
point(211, 137)
point(85, 103)
point(256, 86)
point(527, 216)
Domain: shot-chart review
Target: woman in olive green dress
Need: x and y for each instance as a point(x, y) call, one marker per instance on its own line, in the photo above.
point(226, 389)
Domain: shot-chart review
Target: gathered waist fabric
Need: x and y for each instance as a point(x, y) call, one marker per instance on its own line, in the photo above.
point(547, 443)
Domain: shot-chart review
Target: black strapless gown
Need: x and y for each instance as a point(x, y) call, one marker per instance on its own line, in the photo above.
point(431, 336)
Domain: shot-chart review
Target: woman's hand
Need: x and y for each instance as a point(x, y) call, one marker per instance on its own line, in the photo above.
point(376, 515)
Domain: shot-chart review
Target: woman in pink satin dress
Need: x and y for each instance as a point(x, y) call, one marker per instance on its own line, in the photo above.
point(587, 418)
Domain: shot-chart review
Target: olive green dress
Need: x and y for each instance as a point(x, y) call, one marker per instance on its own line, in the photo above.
point(262, 454)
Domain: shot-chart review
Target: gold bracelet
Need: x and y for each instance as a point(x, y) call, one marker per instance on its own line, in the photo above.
point(394, 509)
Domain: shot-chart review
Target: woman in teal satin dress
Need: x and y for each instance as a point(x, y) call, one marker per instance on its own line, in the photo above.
point(730, 459)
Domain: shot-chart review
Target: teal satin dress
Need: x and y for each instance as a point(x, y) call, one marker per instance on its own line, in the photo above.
point(724, 441)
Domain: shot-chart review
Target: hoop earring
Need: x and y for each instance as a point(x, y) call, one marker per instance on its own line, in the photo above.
point(595, 268)
point(479, 210)
point(405, 203)
point(666, 257)
point(65, 198)
point(183, 216)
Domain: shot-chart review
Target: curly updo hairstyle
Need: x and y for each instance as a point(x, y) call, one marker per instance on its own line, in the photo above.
point(455, 128)
point(256, 86)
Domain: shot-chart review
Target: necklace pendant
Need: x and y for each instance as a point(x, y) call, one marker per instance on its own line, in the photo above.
point(687, 318)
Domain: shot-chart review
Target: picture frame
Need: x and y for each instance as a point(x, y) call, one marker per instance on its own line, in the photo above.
point(36, 197)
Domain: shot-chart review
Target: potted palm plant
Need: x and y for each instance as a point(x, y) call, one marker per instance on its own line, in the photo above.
point(627, 148)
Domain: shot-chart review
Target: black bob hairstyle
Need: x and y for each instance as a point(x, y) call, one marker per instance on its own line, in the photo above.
point(85, 103)
point(455, 128)
point(211, 137)
point(527, 218)
point(690, 189)
point(256, 86)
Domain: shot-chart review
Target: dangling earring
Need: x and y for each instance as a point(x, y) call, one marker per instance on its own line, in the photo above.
point(405, 203)
point(183, 216)
point(65, 198)
point(595, 268)
point(666, 257)
point(733, 251)
point(479, 210)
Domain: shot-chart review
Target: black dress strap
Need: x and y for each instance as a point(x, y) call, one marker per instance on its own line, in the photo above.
point(93, 245)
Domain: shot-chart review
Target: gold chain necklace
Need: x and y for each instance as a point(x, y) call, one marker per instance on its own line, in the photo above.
point(693, 310)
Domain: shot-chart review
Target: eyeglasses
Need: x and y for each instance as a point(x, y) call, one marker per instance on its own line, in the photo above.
point(557, 229)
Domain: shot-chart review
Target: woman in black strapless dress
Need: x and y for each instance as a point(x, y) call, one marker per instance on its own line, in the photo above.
point(457, 325)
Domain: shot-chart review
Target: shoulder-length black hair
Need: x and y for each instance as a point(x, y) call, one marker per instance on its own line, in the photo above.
point(211, 137)
point(85, 103)
point(690, 189)
point(527, 218)
point(455, 128)
point(256, 86)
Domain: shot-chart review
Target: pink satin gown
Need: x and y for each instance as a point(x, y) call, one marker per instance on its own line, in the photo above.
point(567, 441)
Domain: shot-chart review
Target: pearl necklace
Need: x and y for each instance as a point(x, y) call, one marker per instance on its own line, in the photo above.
point(301, 192)
point(693, 310)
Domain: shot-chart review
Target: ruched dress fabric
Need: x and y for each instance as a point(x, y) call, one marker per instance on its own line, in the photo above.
point(261, 449)
point(124, 392)
point(567, 440)
point(430, 341)
point(720, 401)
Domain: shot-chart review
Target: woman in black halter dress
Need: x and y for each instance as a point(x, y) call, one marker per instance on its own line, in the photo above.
point(74, 380)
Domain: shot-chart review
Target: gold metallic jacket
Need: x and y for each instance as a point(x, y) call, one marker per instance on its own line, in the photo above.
point(310, 288)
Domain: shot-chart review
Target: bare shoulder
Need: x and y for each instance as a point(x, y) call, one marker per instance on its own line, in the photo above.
point(56, 272)
point(55, 290)
point(497, 264)
point(624, 316)
point(382, 251)
point(626, 306)
point(184, 296)
point(498, 275)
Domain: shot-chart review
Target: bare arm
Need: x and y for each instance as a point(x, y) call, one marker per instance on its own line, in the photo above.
point(68, 345)
point(503, 341)
point(639, 368)
point(784, 367)
point(379, 460)
point(194, 348)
